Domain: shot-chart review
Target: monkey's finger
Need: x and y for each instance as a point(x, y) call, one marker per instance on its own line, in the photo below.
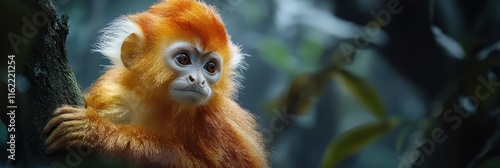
point(78, 143)
point(67, 109)
point(63, 130)
point(51, 149)
point(62, 142)
point(61, 118)
point(55, 146)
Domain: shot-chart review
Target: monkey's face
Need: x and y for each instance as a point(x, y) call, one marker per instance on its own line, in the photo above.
point(196, 71)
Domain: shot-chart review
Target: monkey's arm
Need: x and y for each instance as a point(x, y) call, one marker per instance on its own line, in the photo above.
point(84, 127)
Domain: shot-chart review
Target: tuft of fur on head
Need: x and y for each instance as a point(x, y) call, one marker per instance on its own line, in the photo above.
point(237, 65)
point(110, 41)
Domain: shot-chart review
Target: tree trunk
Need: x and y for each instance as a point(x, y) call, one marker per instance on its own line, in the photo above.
point(40, 54)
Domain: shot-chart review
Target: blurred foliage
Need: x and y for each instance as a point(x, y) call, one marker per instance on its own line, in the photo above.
point(355, 139)
point(297, 99)
point(276, 53)
point(455, 74)
point(363, 92)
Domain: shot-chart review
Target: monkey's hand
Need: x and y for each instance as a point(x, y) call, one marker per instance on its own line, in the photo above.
point(70, 127)
point(76, 127)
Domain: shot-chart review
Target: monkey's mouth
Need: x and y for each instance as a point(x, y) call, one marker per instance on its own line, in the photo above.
point(192, 90)
point(190, 94)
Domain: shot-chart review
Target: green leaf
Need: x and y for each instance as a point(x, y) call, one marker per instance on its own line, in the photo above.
point(310, 52)
point(353, 140)
point(367, 96)
point(275, 53)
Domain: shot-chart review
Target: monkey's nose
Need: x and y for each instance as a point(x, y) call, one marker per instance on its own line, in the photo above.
point(202, 84)
point(191, 79)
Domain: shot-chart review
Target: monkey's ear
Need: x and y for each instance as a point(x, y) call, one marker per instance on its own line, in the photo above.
point(122, 35)
point(130, 50)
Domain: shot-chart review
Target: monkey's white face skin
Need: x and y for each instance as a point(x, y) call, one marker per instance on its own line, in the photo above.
point(196, 71)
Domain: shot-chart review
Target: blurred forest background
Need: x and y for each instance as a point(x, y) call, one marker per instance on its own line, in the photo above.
point(350, 83)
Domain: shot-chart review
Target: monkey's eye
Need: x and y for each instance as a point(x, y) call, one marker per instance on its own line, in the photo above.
point(210, 66)
point(183, 58)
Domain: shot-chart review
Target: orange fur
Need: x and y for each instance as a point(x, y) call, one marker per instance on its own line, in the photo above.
point(130, 113)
